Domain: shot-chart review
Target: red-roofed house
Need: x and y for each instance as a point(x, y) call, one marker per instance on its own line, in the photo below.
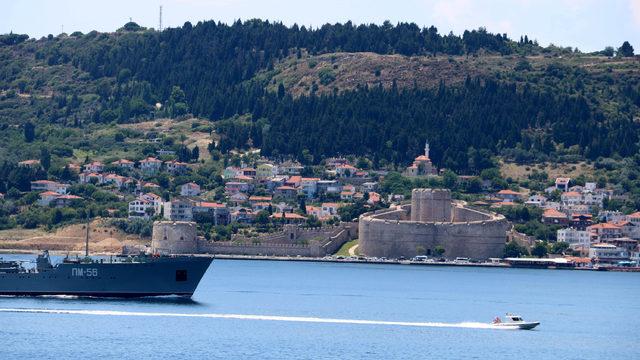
point(347, 192)
point(233, 187)
point(95, 166)
point(215, 213)
point(345, 170)
point(286, 192)
point(508, 195)
point(145, 206)
point(374, 198)
point(66, 200)
point(124, 164)
point(118, 180)
point(289, 218)
point(259, 199)
point(190, 189)
point(47, 197)
point(331, 209)
point(176, 167)
point(86, 178)
point(293, 181)
point(553, 216)
point(314, 210)
point(48, 185)
point(571, 198)
point(603, 232)
point(150, 165)
point(634, 218)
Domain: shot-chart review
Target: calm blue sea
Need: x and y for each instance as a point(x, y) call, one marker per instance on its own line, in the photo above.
point(584, 315)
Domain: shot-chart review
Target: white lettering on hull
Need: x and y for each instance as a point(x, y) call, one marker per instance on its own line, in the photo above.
point(82, 272)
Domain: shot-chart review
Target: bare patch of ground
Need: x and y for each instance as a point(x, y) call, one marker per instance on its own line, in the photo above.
point(186, 129)
point(519, 172)
point(102, 239)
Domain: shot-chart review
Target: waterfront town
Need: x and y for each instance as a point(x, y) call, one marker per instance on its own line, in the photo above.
point(263, 207)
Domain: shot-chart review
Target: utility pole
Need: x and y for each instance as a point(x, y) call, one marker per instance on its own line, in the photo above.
point(160, 23)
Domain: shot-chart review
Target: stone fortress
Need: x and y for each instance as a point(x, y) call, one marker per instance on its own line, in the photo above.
point(180, 237)
point(174, 237)
point(432, 220)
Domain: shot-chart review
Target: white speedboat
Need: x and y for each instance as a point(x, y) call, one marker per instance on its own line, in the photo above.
point(511, 321)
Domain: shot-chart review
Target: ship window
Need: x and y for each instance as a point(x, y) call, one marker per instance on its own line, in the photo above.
point(181, 275)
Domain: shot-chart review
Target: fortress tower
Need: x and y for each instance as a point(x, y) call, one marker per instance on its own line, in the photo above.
point(174, 237)
point(431, 205)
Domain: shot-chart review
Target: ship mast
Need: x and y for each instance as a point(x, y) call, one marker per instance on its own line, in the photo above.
point(86, 240)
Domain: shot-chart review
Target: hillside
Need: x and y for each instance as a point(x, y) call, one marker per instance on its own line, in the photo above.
point(527, 103)
point(346, 71)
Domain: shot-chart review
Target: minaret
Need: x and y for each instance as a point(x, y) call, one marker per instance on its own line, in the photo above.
point(426, 149)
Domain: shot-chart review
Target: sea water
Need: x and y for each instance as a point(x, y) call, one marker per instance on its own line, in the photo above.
point(304, 310)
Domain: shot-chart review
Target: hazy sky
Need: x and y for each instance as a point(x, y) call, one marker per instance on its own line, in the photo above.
point(588, 24)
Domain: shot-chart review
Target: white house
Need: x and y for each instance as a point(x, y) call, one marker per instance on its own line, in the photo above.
point(47, 197)
point(176, 167)
point(48, 185)
point(190, 189)
point(608, 252)
point(330, 209)
point(95, 166)
point(536, 200)
point(562, 183)
point(145, 206)
point(86, 178)
point(150, 165)
point(309, 186)
point(575, 238)
point(124, 164)
point(178, 210)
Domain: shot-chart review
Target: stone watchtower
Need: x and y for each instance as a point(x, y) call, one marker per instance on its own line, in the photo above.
point(174, 237)
point(431, 205)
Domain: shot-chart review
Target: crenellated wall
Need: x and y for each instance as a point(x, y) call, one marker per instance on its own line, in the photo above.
point(324, 245)
point(467, 233)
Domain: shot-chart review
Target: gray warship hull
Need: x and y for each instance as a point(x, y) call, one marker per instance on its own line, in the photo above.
point(154, 276)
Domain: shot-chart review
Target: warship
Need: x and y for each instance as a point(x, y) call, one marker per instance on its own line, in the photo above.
point(116, 276)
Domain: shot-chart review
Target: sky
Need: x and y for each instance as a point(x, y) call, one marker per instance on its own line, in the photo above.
point(588, 25)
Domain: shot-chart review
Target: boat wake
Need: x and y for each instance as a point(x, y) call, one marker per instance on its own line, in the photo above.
point(298, 319)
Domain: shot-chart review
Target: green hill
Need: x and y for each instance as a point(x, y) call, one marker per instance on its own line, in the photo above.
point(369, 90)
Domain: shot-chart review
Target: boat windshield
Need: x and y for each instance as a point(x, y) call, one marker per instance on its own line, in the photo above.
point(515, 318)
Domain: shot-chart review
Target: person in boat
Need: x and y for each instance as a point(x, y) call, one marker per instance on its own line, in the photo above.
point(497, 320)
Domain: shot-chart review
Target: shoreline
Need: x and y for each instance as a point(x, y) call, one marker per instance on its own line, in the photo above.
point(451, 263)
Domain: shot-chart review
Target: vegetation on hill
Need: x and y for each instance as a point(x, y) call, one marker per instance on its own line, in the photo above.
point(473, 96)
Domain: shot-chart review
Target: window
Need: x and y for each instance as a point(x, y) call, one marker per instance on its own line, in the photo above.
point(181, 275)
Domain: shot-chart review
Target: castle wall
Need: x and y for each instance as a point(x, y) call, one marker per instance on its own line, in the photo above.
point(464, 214)
point(318, 248)
point(477, 240)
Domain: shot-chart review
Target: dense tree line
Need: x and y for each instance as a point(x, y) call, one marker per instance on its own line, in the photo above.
point(464, 125)
point(207, 59)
